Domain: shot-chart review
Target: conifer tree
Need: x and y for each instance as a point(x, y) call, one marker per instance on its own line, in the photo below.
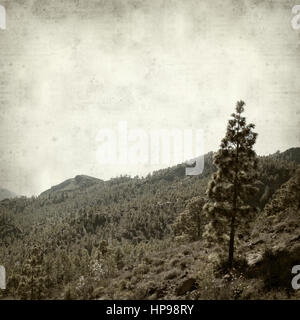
point(189, 223)
point(233, 183)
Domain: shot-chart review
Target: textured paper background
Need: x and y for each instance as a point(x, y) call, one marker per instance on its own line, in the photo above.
point(69, 68)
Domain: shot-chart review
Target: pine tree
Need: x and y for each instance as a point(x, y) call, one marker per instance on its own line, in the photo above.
point(189, 224)
point(233, 183)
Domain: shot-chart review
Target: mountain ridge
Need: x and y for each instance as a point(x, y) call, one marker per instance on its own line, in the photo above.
point(6, 194)
point(71, 184)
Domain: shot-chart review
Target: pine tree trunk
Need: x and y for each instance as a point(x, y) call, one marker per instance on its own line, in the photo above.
point(231, 242)
point(232, 229)
point(232, 226)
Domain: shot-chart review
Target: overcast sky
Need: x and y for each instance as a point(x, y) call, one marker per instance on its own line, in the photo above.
point(72, 67)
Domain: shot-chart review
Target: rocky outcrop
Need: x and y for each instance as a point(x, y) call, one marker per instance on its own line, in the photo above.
point(275, 247)
point(185, 286)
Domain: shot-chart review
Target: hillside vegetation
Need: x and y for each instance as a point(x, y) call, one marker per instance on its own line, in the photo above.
point(129, 238)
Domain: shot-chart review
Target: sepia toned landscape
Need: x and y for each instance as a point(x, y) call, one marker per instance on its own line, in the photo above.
point(76, 227)
point(163, 236)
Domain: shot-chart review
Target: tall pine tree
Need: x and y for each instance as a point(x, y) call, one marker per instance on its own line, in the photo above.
point(233, 183)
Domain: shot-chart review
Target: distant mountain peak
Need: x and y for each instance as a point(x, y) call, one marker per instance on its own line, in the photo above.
point(78, 182)
point(292, 154)
point(6, 194)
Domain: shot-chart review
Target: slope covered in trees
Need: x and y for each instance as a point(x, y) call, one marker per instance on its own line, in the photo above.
point(276, 234)
point(89, 234)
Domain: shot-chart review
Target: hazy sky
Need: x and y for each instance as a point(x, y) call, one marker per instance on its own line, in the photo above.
point(72, 67)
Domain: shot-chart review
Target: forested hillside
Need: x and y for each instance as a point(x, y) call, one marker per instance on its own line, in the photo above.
point(88, 238)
